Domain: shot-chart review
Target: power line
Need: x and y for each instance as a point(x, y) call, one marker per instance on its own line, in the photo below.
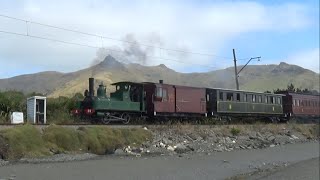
point(95, 47)
point(110, 38)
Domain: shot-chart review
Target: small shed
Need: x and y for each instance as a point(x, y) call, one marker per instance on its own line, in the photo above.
point(37, 110)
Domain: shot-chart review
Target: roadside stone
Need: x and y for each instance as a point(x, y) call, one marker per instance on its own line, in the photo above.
point(119, 152)
point(288, 133)
point(127, 149)
point(252, 135)
point(3, 162)
point(162, 145)
point(193, 136)
point(219, 149)
point(170, 148)
point(228, 140)
point(259, 135)
point(166, 141)
point(271, 138)
point(180, 148)
point(294, 137)
point(137, 150)
point(272, 145)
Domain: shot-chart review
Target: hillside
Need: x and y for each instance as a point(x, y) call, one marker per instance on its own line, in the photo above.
point(254, 77)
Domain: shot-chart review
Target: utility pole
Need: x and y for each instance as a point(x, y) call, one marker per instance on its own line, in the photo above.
point(236, 73)
point(235, 69)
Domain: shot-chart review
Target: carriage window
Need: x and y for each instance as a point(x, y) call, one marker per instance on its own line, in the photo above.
point(298, 102)
point(244, 98)
point(238, 96)
point(208, 97)
point(229, 96)
point(249, 97)
point(278, 100)
point(221, 96)
point(259, 99)
point(271, 100)
point(302, 103)
point(159, 92)
point(266, 99)
point(253, 98)
point(164, 95)
point(294, 102)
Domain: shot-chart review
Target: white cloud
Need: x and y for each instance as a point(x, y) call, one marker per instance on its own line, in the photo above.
point(181, 25)
point(308, 59)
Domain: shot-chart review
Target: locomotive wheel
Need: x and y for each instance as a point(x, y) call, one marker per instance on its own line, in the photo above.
point(126, 118)
point(105, 120)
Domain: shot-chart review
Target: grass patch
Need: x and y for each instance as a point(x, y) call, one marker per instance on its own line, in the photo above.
point(61, 139)
point(22, 141)
point(311, 131)
point(28, 141)
point(104, 140)
point(235, 131)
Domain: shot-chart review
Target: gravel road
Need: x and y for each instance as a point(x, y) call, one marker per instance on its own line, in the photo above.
point(219, 165)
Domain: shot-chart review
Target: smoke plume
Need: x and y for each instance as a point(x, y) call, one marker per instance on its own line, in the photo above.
point(131, 50)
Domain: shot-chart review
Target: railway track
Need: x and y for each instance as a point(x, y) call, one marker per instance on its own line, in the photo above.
point(4, 126)
point(75, 126)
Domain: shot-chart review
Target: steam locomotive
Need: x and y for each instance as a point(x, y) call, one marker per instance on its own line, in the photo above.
point(156, 101)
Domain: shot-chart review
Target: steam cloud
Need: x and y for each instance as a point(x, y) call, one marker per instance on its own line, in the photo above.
point(131, 51)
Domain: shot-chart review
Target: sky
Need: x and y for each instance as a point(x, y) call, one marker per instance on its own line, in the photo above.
point(187, 36)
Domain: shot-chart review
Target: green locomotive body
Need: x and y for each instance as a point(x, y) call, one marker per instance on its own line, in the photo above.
point(125, 103)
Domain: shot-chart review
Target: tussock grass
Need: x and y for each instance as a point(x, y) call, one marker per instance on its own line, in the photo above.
point(61, 139)
point(100, 140)
point(310, 131)
point(104, 140)
point(235, 131)
point(27, 141)
point(22, 141)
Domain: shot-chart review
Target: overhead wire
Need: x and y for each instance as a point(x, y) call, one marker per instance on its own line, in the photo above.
point(114, 39)
point(104, 37)
point(96, 47)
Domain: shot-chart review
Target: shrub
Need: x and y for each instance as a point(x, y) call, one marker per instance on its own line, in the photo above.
point(235, 131)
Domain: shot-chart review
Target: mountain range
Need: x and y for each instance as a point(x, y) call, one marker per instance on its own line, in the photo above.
point(108, 71)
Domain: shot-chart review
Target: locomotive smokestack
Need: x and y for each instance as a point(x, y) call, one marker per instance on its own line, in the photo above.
point(161, 81)
point(91, 86)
